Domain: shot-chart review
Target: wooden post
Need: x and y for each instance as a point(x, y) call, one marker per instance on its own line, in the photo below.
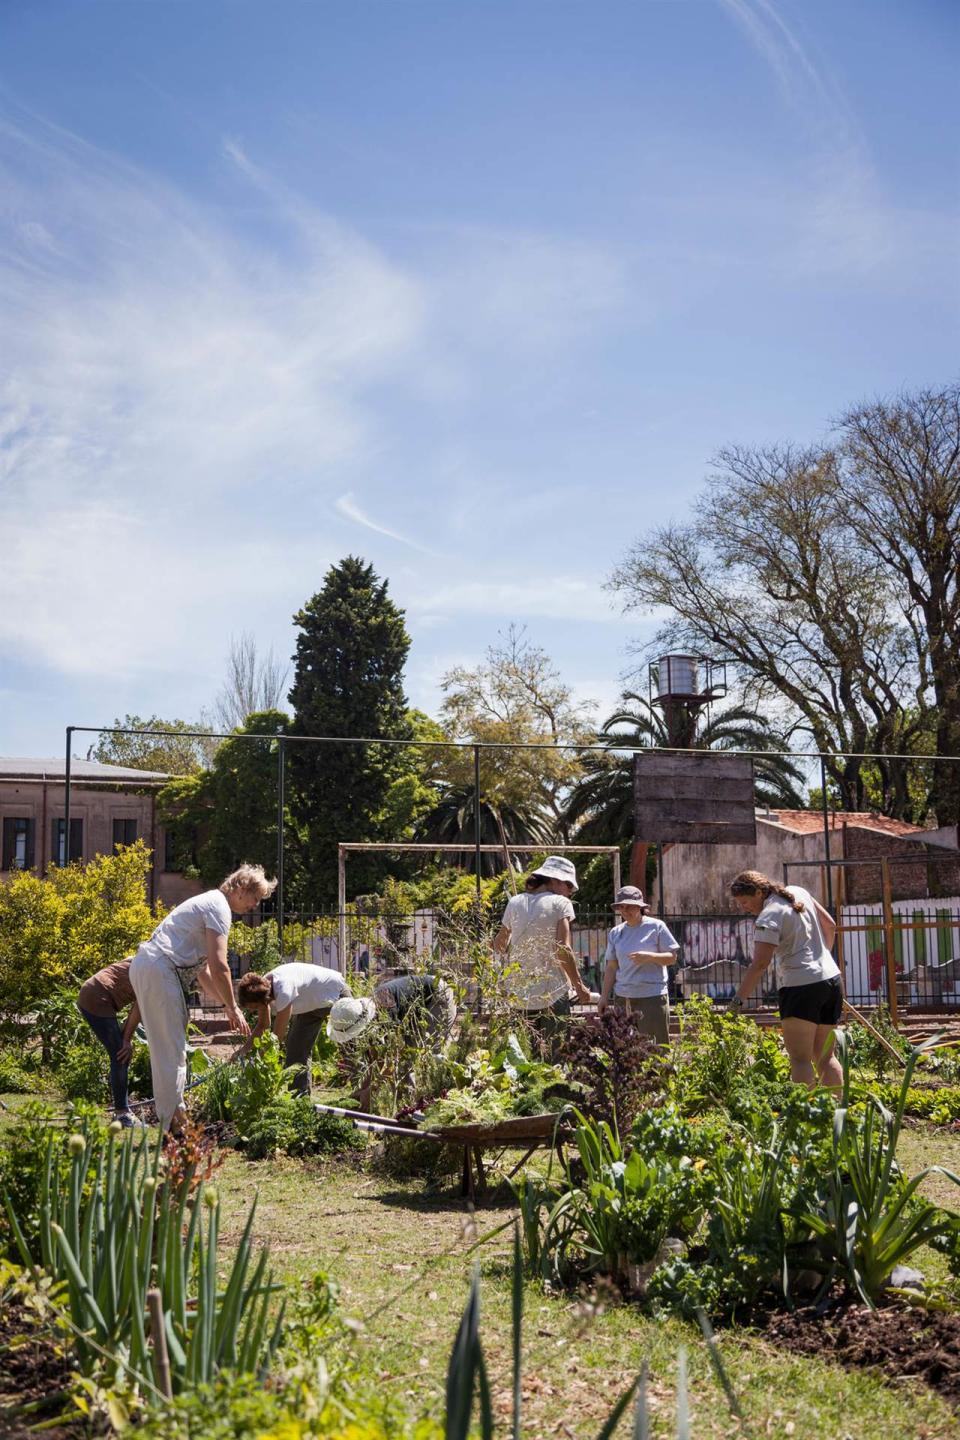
point(342, 910)
point(841, 898)
point(158, 1334)
point(888, 939)
point(616, 870)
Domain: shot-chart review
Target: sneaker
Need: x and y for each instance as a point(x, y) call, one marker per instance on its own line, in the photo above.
point(130, 1121)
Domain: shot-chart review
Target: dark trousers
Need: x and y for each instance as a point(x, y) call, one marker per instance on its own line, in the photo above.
point(548, 1026)
point(301, 1038)
point(108, 1032)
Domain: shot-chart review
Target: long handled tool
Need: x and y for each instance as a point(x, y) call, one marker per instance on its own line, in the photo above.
point(862, 1019)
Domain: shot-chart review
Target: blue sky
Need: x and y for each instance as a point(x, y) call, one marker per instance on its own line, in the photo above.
point(473, 290)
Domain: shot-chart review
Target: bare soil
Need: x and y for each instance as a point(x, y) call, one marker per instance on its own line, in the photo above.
point(35, 1375)
point(899, 1341)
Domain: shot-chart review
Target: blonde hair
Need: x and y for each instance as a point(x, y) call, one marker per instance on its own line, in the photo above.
point(753, 882)
point(249, 877)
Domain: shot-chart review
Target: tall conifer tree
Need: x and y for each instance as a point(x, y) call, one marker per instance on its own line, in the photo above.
point(348, 681)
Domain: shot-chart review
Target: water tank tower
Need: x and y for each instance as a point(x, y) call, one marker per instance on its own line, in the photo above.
point(682, 685)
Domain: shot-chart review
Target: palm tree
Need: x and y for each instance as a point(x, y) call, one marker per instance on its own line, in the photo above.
point(452, 822)
point(600, 806)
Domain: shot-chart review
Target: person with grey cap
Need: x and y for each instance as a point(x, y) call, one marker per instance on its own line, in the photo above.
point(640, 950)
point(536, 932)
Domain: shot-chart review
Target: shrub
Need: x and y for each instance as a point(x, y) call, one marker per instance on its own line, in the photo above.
point(14, 1079)
point(618, 1068)
point(59, 930)
point(83, 1072)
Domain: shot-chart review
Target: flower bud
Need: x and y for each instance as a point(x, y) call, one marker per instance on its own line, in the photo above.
point(116, 1128)
point(210, 1196)
point(77, 1145)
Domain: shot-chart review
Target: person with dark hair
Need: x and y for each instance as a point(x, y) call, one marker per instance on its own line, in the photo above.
point(300, 997)
point(793, 929)
point(100, 1001)
point(640, 951)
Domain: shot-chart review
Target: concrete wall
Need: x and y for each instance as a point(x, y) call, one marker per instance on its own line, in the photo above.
point(696, 878)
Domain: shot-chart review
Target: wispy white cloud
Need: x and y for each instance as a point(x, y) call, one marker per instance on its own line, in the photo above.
point(347, 506)
point(557, 599)
point(841, 220)
point(182, 400)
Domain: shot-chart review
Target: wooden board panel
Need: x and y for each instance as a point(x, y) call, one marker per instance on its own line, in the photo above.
point(695, 799)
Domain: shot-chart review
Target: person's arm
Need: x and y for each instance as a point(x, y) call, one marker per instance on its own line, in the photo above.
point(129, 1025)
point(763, 953)
point(609, 980)
point(568, 961)
point(666, 958)
point(501, 941)
point(828, 926)
point(281, 1022)
point(221, 984)
point(261, 1026)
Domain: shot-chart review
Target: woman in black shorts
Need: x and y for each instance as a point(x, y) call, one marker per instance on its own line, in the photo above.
point(796, 931)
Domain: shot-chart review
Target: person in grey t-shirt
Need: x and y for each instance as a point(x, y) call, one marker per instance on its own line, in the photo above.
point(795, 930)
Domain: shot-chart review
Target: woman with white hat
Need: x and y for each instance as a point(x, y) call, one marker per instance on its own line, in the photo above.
point(536, 932)
point(640, 950)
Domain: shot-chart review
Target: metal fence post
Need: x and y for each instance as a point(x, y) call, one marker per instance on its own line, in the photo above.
point(280, 809)
point(826, 831)
point(477, 833)
point(888, 945)
point(66, 798)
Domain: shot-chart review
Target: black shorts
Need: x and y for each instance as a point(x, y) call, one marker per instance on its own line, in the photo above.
point(820, 1002)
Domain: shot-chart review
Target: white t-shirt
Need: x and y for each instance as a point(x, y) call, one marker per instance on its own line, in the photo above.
point(306, 987)
point(532, 920)
point(181, 936)
point(640, 979)
point(802, 957)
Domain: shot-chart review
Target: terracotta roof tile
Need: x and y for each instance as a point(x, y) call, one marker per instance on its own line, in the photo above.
point(805, 822)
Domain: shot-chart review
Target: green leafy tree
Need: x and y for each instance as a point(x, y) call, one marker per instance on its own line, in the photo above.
point(175, 752)
point(242, 786)
point(516, 696)
point(348, 681)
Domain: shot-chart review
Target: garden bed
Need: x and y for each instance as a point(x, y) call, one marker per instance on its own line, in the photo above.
point(900, 1341)
point(35, 1376)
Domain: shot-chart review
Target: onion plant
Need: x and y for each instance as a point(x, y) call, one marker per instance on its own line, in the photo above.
point(111, 1240)
point(869, 1218)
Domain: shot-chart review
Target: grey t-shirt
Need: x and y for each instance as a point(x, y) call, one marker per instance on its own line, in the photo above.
point(801, 955)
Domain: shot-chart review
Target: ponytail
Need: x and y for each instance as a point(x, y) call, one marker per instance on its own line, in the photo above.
point(753, 882)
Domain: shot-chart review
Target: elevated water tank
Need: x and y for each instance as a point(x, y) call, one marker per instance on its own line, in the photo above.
point(678, 677)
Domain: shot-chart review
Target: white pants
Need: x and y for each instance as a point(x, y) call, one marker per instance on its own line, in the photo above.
point(163, 1009)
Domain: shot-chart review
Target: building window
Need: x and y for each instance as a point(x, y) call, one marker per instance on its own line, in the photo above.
point(124, 833)
point(76, 841)
point(170, 856)
point(18, 834)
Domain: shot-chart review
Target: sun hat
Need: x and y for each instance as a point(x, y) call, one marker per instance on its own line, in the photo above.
point(629, 895)
point(349, 1018)
point(558, 867)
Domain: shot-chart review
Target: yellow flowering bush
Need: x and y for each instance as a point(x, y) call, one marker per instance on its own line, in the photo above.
point(57, 930)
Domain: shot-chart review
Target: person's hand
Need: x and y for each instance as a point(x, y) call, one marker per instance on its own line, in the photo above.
point(737, 1002)
point(125, 1051)
point(584, 996)
point(601, 1005)
point(237, 1021)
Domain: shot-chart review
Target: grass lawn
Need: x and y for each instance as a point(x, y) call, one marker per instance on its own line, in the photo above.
point(399, 1257)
